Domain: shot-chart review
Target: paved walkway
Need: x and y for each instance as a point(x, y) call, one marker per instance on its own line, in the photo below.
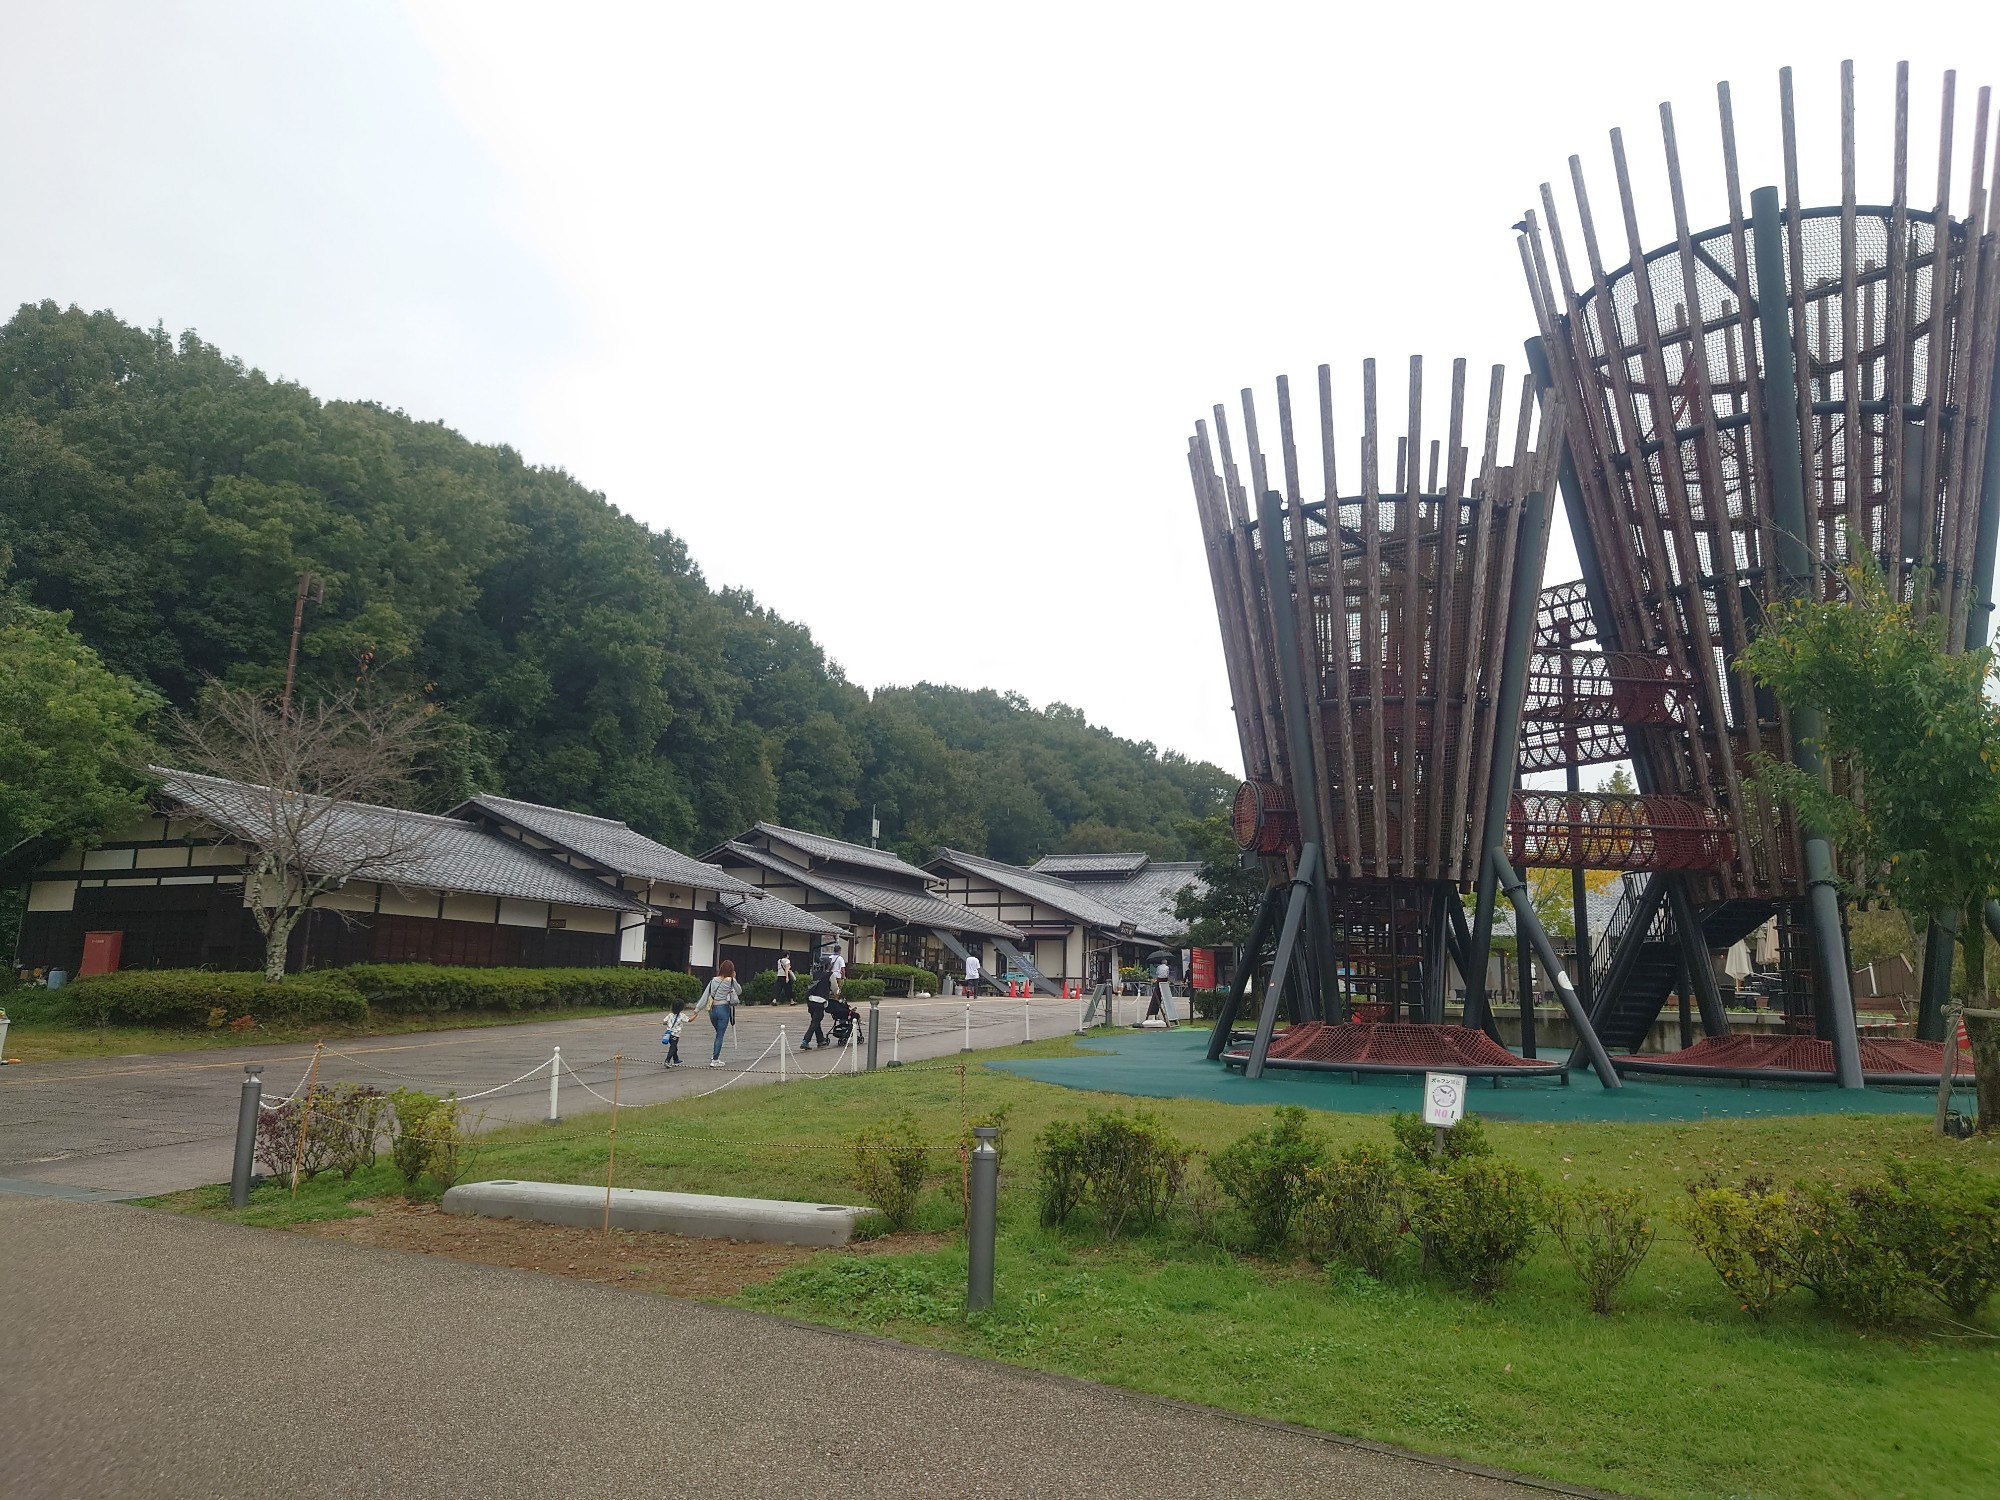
point(156, 1123)
point(147, 1355)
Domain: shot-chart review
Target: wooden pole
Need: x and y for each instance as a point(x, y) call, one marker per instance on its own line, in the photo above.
point(305, 1117)
point(611, 1155)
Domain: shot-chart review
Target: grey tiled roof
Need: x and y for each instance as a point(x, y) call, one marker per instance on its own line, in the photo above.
point(819, 846)
point(1086, 865)
point(1081, 902)
point(917, 907)
point(606, 841)
point(1147, 898)
point(758, 910)
point(411, 849)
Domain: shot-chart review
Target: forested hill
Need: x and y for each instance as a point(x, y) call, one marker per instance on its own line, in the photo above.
point(169, 498)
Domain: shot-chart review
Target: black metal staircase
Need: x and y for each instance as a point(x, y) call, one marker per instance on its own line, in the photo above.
point(1624, 1018)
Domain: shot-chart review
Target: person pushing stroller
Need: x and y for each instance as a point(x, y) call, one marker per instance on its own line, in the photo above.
point(819, 994)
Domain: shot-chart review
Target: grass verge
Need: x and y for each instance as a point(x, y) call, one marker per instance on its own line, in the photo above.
point(1676, 1394)
point(33, 1040)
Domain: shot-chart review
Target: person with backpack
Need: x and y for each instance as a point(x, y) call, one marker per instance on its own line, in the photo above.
point(719, 997)
point(784, 979)
point(818, 994)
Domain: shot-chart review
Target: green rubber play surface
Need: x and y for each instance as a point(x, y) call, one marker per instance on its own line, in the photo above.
point(1172, 1065)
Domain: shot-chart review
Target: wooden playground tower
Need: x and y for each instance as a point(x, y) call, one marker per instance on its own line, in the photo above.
point(1397, 666)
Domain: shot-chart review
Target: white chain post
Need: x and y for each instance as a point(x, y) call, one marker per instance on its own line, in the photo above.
point(555, 1083)
point(896, 1045)
point(1027, 1020)
point(783, 1075)
point(853, 1053)
point(968, 1030)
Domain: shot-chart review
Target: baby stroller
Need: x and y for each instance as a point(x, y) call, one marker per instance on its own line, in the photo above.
point(846, 1023)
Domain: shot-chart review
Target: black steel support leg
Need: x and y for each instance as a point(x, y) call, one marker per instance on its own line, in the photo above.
point(1246, 966)
point(1296, 905)
point(1785, 448)
point(1694, 954)
point(1529, 928)
point(1940, 947)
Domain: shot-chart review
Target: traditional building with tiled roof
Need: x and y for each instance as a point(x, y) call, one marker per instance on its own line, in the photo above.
point(1082, 916)
point(894, 912)
point(496, 882)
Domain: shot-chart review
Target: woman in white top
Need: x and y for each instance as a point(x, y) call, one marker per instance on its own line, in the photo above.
point(718, 998)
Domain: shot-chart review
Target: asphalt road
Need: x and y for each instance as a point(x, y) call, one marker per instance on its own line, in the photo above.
point(156, 1123)
point(148, 1355)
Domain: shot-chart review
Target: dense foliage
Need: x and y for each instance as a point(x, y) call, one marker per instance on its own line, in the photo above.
point(169, 498)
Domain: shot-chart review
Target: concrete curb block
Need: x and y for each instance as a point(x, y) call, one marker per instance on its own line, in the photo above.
point(699, 1215)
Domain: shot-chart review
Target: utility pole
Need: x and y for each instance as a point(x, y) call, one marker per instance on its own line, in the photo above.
point(311, 586)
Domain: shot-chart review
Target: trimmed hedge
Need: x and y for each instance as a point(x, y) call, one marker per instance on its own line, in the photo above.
point(192, 997)
point(903, 979)
point(859, 991)
point(431, 988)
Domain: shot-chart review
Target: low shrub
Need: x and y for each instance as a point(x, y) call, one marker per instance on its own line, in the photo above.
point(860, 991)
point(1603, 1233)
point(1352, 1210)
point(190, 997)
point(1944, 1221)
point(1745, 1233)
point(1206, 1005)
point(1844, 1251)
point(1478, 1216)
point(897, 979)
point(434, 988)
point(277, 1150)
point(1061, 1175)
point(761, 988)
point(1264, 1173)
point(890, 1163)
point(428, 1136)
point(1416, 1142)
point(1129, 1168)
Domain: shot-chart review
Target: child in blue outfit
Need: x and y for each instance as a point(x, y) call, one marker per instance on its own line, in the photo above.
point(673, 1022)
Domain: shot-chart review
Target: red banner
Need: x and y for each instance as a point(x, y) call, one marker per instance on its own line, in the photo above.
point(1203, 973)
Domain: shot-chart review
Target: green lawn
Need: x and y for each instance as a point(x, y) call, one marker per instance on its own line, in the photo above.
point(1676, 1394)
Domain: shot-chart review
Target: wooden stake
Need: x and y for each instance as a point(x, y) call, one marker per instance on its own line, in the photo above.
point(305, 1117)
point(611, 1155)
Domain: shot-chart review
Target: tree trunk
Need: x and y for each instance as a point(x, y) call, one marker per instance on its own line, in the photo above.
point(1982, 1023)
point(277, 938)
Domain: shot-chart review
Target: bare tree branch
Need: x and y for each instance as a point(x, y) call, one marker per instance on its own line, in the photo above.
point(295, 782)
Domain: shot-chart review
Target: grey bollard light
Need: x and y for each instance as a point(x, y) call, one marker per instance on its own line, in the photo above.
point(985, 1205)
point(874, 1029)
point(246, 1134)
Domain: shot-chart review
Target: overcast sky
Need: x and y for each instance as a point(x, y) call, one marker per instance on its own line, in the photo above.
point(900, 315)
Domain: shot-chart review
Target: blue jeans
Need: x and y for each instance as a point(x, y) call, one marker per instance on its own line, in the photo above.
point(719, 1016)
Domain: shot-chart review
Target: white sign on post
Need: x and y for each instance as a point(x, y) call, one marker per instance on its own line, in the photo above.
point(1444, 1099)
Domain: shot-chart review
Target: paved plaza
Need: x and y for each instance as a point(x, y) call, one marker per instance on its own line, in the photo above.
point(150, 1355)
point(157, 1123)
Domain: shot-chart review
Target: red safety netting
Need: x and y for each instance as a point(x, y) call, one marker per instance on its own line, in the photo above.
point(1880, 1057)
point(1399, 1044)
point(1613, 831)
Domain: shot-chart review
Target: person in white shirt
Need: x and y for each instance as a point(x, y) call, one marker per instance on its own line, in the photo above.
point(784, 979)
point(839, 970)
point(971, 976)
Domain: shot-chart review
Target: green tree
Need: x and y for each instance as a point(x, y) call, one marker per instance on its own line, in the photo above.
point(72, 750)
point(72, 746)
point(168, 498)
point(1915, 723)
point(1219, 908)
